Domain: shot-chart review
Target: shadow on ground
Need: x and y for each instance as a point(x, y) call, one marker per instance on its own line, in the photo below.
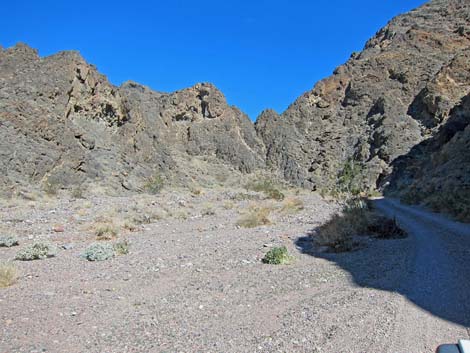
point(427, 268)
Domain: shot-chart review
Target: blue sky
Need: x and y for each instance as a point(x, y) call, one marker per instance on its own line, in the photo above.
point(261, 54)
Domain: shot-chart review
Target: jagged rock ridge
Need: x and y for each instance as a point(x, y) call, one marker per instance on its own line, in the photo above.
point(62, 122)
point(396, 93)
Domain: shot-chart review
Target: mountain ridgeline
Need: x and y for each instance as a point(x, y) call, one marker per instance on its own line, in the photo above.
point(395, 116)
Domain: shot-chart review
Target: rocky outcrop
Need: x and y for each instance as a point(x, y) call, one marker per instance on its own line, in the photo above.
point(396, 93)
point(63, 123)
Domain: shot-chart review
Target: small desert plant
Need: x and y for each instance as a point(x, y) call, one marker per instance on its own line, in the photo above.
point(292, 205)
point(106, 232)
point(8, 274)
point(154, 184)
point(268, 187)
point(453, 202)
point(36, 251)
point(98, 252)
point(277, 256)
point(254, 217)
point(121, 247)
point(8, 241)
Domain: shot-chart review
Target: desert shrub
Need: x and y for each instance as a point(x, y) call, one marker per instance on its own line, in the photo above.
point(154, 184)
point(292, 205)
point(98, 252)
point(36, 251)
point(350, 178)
point(356, 218)
point(267, 187)
point(277, 256)
point(254, 217)
point(8, 274)
point(8, 241)
point(121, 247)
point(106, 232)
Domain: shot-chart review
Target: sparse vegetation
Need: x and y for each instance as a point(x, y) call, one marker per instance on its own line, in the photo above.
point(154, 184)
point(8, 274)
point(98, 252)
point(121, 247)
point(36, 251)
point(277, 256)
point(255, 216)
point(8, 241)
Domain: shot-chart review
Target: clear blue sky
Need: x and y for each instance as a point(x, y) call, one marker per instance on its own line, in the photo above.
point(261, 54)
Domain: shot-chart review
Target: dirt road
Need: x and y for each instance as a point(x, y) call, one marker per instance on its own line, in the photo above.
point(437, 290)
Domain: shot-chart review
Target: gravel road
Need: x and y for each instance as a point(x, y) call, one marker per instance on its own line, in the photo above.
point(437, 289)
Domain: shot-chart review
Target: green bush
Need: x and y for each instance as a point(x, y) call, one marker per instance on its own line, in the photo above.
point(8, 241)
point(98, 252)
point(36, 251)
point(277, 256)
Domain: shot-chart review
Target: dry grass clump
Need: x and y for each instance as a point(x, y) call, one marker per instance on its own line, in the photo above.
point(292, 205)
point(106, 231)
point(356, 219)
point(8, 274)
point(255, 216)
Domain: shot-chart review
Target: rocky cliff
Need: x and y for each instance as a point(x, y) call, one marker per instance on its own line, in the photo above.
point(63, 123)
point(399, 91)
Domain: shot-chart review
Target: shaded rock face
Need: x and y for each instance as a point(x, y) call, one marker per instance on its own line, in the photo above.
point(437, 171)
point(63, 123)
point(396, 93)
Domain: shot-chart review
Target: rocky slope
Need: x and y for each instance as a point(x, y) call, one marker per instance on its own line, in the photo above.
point(64, 124)
point(399, 91)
